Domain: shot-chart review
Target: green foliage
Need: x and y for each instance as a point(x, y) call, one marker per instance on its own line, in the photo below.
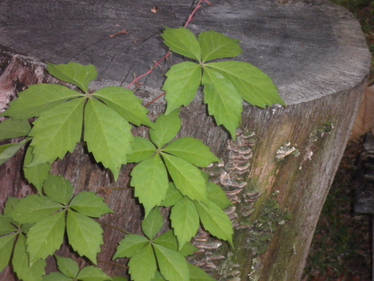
point(7, 151)
point(13, 129)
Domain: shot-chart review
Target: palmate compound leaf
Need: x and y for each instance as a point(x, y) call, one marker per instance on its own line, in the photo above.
point(130, 246)
point(107, 134)
point(90, 204)
point(14, 128)
point(58, 189)
point(6, 225)
point(141, 149)
point(183, 81)
point(67, 266)
point(57, 131)
point(143, 265)
point(74, 73)
point(172, 196)
point(92, 273)
point(197, 274)
point(168, 240)
point(37, 174)
point(165, 128)
point(7, 151)
point(153, 223)
point(6, 247)
point(151, 182)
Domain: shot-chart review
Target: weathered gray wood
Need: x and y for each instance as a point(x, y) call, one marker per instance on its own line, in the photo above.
point(316, 54)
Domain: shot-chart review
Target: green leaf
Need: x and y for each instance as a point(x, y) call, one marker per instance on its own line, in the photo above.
point(153, 223)
point(215, 221)
point(118, 278)
point(224, 103)
point(14, 128)
point(165, 128)
point(85, 235)
point(21, 264)
point(34, 208)
point(158, 277)
point(67, 266)
point(141, 149)
point(251, 83)
point(6, 247)
point(56, 276)
point(150, 180)
point(7, 151)
point(188, 249)
point(193, 151)
point(74, 73)
point(183, 81)
point(215, 45)
point(57, 131)
point(184, 220)
point(90, 204)
point(182, 41)
point(187, 178)
point(172, 264)
point(126, 104)
point(37, 174)
point(10, 206)
point(91, 273)
point(143, 265)
point(45, 237)
point(172, 196)
point(197, 274)
point(130, 246)
point(58, 189)
point(167, 240)
point(6, 226)
point(38, 98)
point(108, 135)
point(218, 196)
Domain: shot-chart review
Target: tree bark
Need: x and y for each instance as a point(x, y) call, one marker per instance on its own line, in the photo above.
point(278, 171)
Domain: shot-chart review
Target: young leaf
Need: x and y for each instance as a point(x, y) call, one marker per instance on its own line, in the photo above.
point(167, 240)
point(7, 151)
point(90, 204)
point(172, 264)
point(215, 45)
point(74, 73)
point(193, 151)
point(58, 189)
point(182, 41)
point(153, 223)
point(6, 247)
point(91, 273)
point(183, 81)
point(107, 134)
point(46, 236)
point(172, 196)
point(38, 98)
point(143, 265)
point(197, 274)
point(85, 235)
point(165, 128)
point(218, 196)
point(14, 128)
point(67, 266)
point(184, 220)
point(56, 276)
point(215, 220)
point(150, 180)
point(37, 174)
point(130, 246)
point(141, 149)
point(6, 225)
point(187, 178)
point(57, 131)
point(125, 103)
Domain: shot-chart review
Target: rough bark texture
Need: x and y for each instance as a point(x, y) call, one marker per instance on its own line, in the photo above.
point(315, 53)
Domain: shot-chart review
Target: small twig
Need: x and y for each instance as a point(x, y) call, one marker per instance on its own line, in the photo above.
point(122, 32)
point(198, 7)
point(155, 99)
point(113, 263)
point(115, 228)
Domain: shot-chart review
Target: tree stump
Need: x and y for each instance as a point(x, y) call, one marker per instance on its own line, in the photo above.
point(278, 171)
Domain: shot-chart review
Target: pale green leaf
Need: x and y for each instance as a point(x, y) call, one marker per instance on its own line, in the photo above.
point(192, 150)
point(167, 240)
point(153, 223)
point(184, 220)
point(218, 196)
point(74, 73)
point(21, 263)
point(172, 264)
point(90, 204)
point(224, 103)
point(34, 208)
point(6, 225)
point(10, 206)
point(56, 276)
point(182, 41)
point(165, 128)
point(67, 266)
point(151, 182)
point(172, 196)
point(183, 81)
point(38, 98)
point(7, 151)
point(253, 85)
point(58, 189)
point(197, 274)
point(143, 265)
point(186, 177)
point(45, 237)
point(141, 149)
point(6, 247)
point(37, 174)
point(124, 102)
point(130, 246)
point(215, 221)
point(85, 235)
point(91, 273)
point(14, 128)
point(215, 45)
point(57, 131)
point(158, 277)
point(188, 249)
point(108, 135)
point(118, 278)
